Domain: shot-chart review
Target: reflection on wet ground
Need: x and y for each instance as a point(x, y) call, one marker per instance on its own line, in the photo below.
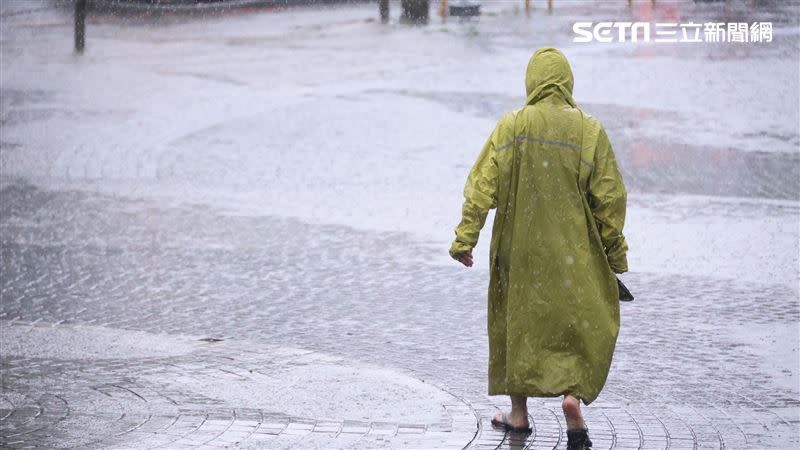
point(661, 166)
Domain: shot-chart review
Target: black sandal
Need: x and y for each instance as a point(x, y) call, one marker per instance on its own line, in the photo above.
point(578, 439)
point(503, 423)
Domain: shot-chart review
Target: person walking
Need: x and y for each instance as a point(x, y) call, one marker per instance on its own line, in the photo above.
point(557, 242)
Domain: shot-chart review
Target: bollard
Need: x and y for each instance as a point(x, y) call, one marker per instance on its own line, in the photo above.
point(383, 7)
point(80, 25)
point(414, 11)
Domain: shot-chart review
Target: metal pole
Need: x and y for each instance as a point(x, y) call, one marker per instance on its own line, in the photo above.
point(383, 7)
point(80, 25)
point(415, 11)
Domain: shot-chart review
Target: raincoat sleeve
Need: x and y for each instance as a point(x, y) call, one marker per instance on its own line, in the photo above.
point(607, 199)
point(479, 197)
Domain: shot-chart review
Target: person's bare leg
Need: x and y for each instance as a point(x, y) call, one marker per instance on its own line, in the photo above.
point(518, 417)
point(572, 412)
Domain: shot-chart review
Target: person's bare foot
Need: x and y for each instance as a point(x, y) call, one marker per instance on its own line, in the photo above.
point(572, 413)
point(516, 420)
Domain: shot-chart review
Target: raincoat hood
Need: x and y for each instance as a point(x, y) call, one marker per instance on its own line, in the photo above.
point(548, 72)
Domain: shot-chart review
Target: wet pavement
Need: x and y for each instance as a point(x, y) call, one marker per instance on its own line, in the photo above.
point(233, 232)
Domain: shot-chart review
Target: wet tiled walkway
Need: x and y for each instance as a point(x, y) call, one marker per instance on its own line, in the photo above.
point(682, 377)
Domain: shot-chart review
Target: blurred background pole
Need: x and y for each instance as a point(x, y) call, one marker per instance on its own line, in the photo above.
point(549, 6)
point(443, 8)
point(383, 7)
point(527, 6)
point(414, 11)
point(80, 25)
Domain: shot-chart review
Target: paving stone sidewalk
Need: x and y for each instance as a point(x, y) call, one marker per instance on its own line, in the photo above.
point(114, 294)
point(132, 389)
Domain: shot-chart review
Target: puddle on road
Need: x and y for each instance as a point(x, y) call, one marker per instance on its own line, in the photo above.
point(651, 165)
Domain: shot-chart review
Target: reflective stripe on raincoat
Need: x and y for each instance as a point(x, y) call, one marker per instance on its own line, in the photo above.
point(557, 240)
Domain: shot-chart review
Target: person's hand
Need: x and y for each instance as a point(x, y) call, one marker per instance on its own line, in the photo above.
point(465, 258)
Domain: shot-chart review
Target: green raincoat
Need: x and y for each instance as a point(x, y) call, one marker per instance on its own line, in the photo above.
point(557, 240)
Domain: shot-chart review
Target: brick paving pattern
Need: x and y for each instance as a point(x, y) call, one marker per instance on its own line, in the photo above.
point(71, 258)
